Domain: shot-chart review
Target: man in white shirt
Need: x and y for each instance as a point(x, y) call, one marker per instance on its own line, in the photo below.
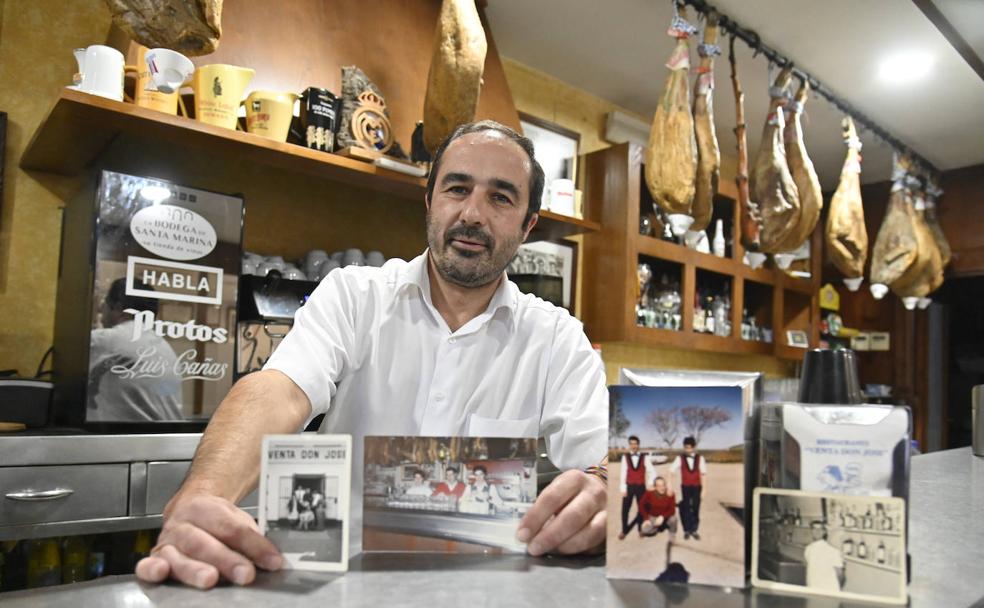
point(441, 345)
point(635, 477)
point(420, 487)
point(824, 564)
point(118, 390)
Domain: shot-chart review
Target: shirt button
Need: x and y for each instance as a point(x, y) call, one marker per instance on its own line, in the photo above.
point(439, 397)
point(452, 340)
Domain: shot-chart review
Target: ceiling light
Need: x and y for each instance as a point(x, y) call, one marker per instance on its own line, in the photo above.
point(905, 67)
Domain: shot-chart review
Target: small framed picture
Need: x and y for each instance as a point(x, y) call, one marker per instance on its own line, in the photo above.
point(548, 270)
point(447, 494)
point(797, 338)
point(305, 485)
point(556, 147)
point(843, 546)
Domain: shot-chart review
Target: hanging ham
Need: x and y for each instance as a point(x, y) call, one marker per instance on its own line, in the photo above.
point(846, 236)
point(772, 184)
point(708, 153)
point(455, 78)
point(925, 273)
point(749, 218)
point(804, 175)
point(671, 154)
point(933, 193)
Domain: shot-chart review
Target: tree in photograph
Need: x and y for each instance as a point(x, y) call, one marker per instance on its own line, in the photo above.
point(696, 420)
point(618, 423)
point(667, 424)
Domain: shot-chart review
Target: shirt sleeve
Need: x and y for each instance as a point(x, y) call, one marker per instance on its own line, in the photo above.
point(675, 465)
point(703, 466)
point(622, 485)
point(318, 349)
point(574, 420)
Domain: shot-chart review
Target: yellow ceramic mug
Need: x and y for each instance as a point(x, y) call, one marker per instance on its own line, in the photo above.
point(218, 89)
point(268, 113)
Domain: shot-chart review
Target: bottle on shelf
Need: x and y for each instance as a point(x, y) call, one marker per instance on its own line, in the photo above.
point(868, 521)
point(847, 547)
point(74, 559)
point(798, 521)
point(709, 320)
point(849, 520)
point(880, 553)
point(698, 314)
point(43, 563)
point(862, 550)
point(718, 245)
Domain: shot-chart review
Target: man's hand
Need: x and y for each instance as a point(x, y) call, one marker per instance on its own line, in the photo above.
point(205, 536)
point(625, 493)
point(568, 517)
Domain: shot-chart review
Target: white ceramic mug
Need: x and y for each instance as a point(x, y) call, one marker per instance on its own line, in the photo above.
point(375, 258)
point(102, 71)
point(562, 197)
point(168, 69)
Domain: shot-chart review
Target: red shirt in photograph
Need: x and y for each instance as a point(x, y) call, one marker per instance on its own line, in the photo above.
point(443, 488)
point(654, 505)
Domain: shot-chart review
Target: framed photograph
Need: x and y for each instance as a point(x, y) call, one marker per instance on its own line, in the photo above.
point(556, 147)
point(447, 494)
point(676, 484)
point(547, 269)
point(305, 485)
point(797, 338)
point(843, 546)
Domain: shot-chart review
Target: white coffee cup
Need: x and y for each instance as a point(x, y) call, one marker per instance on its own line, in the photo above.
point(562, 197)
point(102, 71)
point(294, 273)
point(375, 258)
point(326, 267)
point(353, 257)
point(168, 69)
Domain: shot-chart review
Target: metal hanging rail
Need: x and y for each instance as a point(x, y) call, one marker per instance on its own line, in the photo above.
point(754, 41)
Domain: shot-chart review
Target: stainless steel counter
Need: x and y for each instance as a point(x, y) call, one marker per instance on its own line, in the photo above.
point(947, 547)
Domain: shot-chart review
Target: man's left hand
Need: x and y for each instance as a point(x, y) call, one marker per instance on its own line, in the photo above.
point(568, 517)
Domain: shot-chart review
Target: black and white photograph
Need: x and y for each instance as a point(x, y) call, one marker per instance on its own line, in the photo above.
point(304, 499)
point(843, 546)
point(548, 270)
point(447, 494)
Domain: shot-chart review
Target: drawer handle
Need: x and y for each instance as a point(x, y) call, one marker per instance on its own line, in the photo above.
point(37, 495)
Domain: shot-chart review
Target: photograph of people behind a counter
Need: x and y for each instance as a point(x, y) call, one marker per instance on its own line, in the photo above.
point(304, 498)
point(546, 269)
point(829, 544)
point(676, 485)
point(447, 494)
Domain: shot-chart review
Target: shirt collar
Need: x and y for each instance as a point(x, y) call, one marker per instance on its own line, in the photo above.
point(416, 273)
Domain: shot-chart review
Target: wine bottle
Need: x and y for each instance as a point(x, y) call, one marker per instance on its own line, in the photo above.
point(868, 521)
point(43, 563)
point(880, 553)
point(74, 559)
point(862, 550)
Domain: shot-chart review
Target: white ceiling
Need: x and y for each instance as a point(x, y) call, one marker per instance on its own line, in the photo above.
point(616, 50)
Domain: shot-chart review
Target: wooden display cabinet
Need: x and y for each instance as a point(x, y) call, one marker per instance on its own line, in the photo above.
point(615, 188)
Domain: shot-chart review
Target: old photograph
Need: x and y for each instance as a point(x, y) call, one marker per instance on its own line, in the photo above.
point(830, 544)
point(447, 494)
point(304, 498)
point(676, 485)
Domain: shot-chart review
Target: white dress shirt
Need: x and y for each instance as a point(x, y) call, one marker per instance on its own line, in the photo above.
point(372, 352)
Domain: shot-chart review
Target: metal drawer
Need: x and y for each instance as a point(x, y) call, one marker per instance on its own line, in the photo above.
point(154, 483)
point(30, 495)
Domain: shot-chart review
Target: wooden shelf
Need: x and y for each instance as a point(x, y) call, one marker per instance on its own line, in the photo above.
point(614, 186)
point(81, 126)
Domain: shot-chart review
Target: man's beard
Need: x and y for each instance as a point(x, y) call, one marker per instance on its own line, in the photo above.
point(469, 268)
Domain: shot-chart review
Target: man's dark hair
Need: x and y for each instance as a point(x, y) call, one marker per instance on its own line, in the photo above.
point(116, 298)
point(481, 468)
point(454, 469)
point(690, 441)
point(536, 171)
point(419, 472)
point(633, 438)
